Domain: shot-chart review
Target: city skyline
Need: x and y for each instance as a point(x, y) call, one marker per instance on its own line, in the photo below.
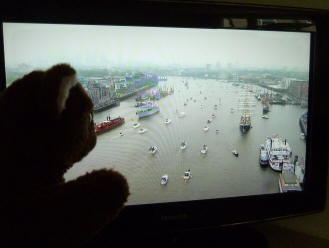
point(82, 46)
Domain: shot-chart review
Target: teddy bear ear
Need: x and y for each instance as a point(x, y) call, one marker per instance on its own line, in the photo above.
point(64, 91)
point(60, 79)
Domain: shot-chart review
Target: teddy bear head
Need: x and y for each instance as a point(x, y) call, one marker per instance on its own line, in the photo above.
point(46, 125)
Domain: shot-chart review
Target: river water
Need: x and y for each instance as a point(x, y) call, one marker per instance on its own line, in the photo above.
point(217, 174)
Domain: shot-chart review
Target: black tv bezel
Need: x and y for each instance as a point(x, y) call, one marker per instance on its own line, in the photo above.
point(223, 211)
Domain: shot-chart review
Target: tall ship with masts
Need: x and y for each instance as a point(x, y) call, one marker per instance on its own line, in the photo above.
point(266, 103)
point(246, 104)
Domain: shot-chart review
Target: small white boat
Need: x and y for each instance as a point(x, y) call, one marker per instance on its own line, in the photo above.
point(121, 134)
point(164, 179)
point(142, 130)
point(265, 117)
point(167, 121)
point(204, 149)
point(181, 115)
point(209, 121)
point(213, 116)
point(183, 145)
point(235, 153)
point(136, 125)
point(187, 176)
point(206, 128)
point(153, 149)
point(302, 136)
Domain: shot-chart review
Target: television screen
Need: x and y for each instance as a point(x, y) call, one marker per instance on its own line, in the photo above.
point(184, 113)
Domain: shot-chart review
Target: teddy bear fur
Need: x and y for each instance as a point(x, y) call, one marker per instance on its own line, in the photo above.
point(46, 126)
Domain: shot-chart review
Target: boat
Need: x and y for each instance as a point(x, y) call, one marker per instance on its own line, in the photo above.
point(183, 145)
point(266, 105)
point(265, 117)
point(265, 109)
point(187, 176)
point(235, 153)
point(204, 149)
point(300, 170)
point(108, 125)
point(278, 151)
point(213, 116)
point(303, 123)
point(288, 182)
point(121, 134)
point(209, 121)
point(136, 125)
point(263, 156)
point(217, 130)
point(167, 121)
point(142, 130)
point(206, 128)
point(153, 149)
point(245, 122)
point(181, 114)
point(141, 104)
point(146, 111)
point(164, 179)
point(302, 136)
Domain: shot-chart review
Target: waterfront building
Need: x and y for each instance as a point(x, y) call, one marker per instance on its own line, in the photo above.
point(299, 89)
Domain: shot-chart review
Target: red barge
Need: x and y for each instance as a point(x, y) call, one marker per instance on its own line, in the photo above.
point(108, 125)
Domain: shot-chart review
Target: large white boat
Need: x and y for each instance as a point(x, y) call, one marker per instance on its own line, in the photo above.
point(279, 152)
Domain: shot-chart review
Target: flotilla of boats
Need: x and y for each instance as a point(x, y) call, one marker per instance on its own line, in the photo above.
point(275, 153)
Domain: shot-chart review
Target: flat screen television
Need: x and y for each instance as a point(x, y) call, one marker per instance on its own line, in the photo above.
point(216, 114)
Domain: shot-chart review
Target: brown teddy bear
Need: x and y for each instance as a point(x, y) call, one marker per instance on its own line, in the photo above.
point(46, 125)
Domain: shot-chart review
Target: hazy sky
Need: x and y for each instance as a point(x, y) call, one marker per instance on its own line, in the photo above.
point(41, 45)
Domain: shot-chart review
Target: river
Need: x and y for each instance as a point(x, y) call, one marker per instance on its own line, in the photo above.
point(217, 174)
